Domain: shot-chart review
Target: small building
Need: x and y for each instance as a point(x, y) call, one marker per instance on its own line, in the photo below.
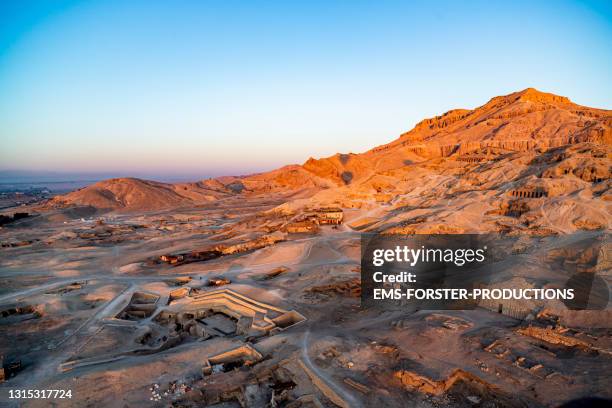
point(304, 227)
point(330, 215)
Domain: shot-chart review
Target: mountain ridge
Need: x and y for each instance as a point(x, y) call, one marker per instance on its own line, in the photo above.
point(521, 121)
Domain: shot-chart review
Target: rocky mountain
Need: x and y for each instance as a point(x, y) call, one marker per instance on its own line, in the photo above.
point(521, 121)
point(527, 162)
point(528, 121)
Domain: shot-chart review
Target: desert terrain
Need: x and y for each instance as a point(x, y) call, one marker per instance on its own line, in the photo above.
point(244, 291)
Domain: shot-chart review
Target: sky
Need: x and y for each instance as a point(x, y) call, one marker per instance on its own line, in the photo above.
point(194, 89)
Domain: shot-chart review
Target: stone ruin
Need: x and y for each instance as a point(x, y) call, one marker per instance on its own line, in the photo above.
point(185, 258)
point(288, 383)
point(217, 310)
point(310, 220)
point(218, 281)
point(528, 193)
point(20, 313)
point(228, 360)
point(257, 243)
point(302, 227)
point(326, 215)
point(191, 316)
point(178, 294)
point(517, 309)
point(172, 259)
point(433, 386)
point(141, 305)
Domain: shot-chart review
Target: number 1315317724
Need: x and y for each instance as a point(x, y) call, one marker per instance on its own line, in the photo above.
point(39, 394)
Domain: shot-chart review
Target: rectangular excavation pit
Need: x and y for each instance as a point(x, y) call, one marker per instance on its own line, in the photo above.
point(273, 273)
point(231, 359)
point(221, 323)
point(18, 314)
point(528, 359)
point(66, 289)
point(288, 319)
point(144, 298)
point(141, 306)
point(256, 318)
point(180, 281)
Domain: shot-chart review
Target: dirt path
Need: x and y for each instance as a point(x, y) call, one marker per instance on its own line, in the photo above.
point(341, 392)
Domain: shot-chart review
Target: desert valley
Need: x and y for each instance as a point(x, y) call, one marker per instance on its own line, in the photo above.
point(244, 291)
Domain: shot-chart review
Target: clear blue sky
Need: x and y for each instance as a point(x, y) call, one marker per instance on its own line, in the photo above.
point(201, 88)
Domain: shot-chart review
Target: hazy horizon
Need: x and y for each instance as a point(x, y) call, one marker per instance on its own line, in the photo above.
point(42, 177)
point(154, 90)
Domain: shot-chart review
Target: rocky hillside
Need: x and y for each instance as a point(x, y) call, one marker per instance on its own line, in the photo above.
point(522, 121)
point(131, 194)
point(528, 121)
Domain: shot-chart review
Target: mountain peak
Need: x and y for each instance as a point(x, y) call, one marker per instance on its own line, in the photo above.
point(526, 95)
point(533, 95)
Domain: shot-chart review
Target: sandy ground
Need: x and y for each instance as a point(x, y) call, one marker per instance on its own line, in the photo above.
point(77, 275)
